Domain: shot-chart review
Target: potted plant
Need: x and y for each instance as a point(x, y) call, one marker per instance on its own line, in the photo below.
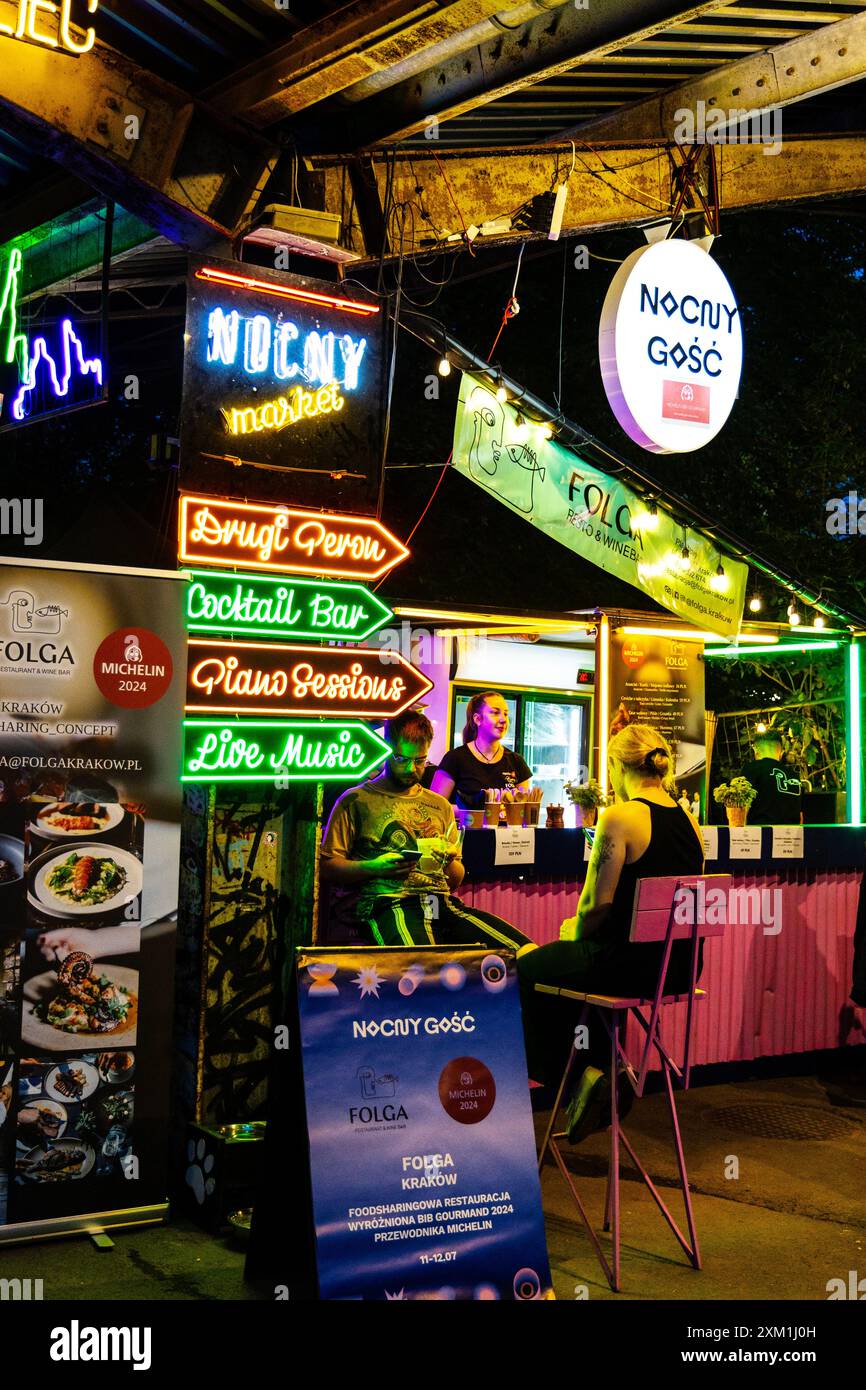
point(587, 797)
point(736, 797)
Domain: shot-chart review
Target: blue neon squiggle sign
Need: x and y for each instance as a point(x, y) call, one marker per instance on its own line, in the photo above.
point(60, 380)
point(38, 368)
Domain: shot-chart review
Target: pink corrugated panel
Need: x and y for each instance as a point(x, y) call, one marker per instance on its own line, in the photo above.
point(770, 992)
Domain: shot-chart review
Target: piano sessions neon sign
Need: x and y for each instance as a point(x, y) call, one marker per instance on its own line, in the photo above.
point(36, 24)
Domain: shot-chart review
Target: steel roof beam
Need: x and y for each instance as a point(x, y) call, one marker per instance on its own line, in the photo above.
point(626, 186)
point(551, 45)
point(358, 41)
point(789, 72)
point(177, 164)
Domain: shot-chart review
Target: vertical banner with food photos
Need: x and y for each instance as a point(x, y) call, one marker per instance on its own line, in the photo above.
point(659, 680)
point(422, 1150)
point(92, 674)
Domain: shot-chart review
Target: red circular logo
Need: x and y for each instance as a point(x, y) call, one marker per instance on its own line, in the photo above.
point(132, 667)
point(467, 1090)
point(632, 653)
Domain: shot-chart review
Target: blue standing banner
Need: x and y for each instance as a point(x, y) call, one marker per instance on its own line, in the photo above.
point(422, 1150)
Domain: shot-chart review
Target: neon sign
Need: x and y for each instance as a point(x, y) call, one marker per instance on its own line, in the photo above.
point(47, 377)
point(270, 346)
point(214, 531)
point(251, 750)
point(27, 26)
point(276, 415)
point(255, 606)
point(287, 372)
point(273, 678)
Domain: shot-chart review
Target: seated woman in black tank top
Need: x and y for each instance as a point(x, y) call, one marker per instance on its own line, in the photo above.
point(645, 834)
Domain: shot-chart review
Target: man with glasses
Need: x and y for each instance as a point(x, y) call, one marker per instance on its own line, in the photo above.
point(392, 847)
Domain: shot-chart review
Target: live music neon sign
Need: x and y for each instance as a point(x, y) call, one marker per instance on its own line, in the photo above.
point(33, 25)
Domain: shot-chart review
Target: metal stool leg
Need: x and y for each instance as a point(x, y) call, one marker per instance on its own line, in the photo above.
point(613, 1171)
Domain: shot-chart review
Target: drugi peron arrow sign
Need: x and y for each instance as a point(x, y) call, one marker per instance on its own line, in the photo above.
point(278, 679)
point(253, 750)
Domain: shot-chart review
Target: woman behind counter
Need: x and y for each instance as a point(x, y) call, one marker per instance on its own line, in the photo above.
point(464, 774)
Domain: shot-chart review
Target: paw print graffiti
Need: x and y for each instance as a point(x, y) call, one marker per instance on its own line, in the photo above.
point(198, 1173)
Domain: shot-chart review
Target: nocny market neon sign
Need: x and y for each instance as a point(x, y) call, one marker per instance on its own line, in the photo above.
point(61, 370)
point(29, 13)
point(265, 345)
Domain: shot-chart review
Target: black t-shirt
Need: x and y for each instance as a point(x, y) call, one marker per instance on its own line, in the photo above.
point(779, 798)
point(471, 775)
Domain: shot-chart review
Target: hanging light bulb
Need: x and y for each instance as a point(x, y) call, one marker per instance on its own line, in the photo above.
point(521, 429)
point(819, 620)
point(501, 393)
point(545, 430)
point(684, 559)
point(760, 727)
point(444, 365)
point(756, 603)
point(720, 581)
point(793, 613)
point(647, 516)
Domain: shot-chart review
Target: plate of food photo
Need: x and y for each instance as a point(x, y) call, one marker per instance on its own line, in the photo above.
point(83, 881)
point(71, 1081)
point(67, 1158)
point(39, 1121)
point(80, 1004)
point(63, 820)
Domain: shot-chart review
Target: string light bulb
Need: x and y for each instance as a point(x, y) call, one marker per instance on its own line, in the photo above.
point(521, 429)
point(756, 603)
point(794, 618)
point(647, 517)
point(719, 581)
point(760, 728)
point(501, 393)
point(684, 559)
point(444, 365)
point(545, 430)
point(819, 621)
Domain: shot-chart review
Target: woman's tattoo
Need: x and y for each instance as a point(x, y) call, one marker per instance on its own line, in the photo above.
point(602, 848)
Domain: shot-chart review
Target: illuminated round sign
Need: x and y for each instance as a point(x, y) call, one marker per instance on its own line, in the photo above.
point(670, 346)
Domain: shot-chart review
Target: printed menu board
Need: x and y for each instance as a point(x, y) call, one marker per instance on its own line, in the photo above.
point(659, 681)
point(92, 670)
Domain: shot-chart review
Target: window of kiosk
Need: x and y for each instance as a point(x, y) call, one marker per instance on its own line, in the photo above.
point(551, 732)
point(554, 741)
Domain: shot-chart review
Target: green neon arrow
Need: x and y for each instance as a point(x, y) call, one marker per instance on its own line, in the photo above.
point(257, 606)
point(268, 750)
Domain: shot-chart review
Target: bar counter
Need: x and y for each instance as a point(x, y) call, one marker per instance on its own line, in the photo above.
point(775, 986)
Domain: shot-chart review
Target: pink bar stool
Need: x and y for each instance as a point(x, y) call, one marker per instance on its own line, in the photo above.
point(665, 910)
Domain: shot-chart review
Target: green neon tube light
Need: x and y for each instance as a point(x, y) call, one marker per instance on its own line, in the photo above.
point(747, 652)
point(855, 743)
point(256, 605)
point(271, 750)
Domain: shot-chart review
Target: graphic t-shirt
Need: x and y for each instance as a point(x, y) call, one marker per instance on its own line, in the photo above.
point(371, 820)
point(779, 798)
point(472, 775)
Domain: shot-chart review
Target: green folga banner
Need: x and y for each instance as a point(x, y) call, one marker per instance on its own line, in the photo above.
point(592, 514)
